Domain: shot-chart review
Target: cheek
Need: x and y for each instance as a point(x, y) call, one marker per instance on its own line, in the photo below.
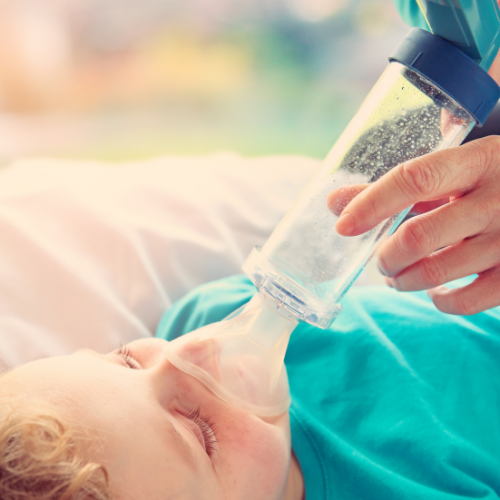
point(256, 454)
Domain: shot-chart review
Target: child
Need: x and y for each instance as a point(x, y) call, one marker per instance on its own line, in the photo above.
point(395, 400)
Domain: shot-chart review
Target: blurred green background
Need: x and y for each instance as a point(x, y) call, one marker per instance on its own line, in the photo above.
point(130, 79)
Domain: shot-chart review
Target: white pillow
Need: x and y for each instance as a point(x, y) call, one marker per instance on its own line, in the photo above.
point(92, 254)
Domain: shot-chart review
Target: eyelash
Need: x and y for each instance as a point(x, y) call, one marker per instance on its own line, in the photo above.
point(124, 352)
point(207, 429)
point(206, 425)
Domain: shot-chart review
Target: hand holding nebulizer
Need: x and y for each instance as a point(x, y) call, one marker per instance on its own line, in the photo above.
point(428, 99)
point(240, 359)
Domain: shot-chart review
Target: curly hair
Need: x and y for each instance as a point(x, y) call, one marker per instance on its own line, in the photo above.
point(41, 457)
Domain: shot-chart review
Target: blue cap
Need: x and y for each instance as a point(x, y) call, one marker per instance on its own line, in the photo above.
point(451, 70)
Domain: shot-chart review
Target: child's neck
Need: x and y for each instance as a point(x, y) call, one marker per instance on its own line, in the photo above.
point(295, 483)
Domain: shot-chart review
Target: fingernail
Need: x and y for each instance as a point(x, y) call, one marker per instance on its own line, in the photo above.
point(381, 270)
point(388, 282)
point(345, 225)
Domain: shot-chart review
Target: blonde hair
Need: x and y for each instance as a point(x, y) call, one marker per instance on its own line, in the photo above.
point(41, 457)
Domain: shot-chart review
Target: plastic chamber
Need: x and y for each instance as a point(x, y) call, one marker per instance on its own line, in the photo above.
point(306, 267)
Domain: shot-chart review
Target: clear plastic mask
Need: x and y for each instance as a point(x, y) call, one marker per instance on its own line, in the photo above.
point(241, 359)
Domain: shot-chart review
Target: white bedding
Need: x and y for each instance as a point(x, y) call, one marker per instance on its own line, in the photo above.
point(92, 254)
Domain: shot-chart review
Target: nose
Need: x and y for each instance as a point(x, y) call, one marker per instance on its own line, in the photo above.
point(165, 381)
point(147, 352)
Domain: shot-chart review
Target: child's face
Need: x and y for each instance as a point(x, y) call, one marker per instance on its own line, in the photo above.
point(149, 438)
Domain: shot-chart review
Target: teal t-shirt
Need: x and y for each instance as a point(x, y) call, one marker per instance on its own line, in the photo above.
point(395, 401)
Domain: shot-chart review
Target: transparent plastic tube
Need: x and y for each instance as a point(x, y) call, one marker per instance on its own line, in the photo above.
point(240, 359)
point(306, 267)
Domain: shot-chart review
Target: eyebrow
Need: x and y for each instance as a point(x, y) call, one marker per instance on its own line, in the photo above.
point(185, 448)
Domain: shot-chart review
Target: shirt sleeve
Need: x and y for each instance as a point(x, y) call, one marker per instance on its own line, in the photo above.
point(410, 13)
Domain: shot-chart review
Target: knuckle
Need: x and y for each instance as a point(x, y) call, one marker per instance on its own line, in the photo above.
point(495, 245)
point(419, 177)
point(415, 237)
point(373, 204)
point(490, 149)
point(485, 156)
point(432, 272)
point(486, 211)
point(464, 306)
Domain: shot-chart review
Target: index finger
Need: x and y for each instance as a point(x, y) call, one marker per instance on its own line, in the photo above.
point(450, 172)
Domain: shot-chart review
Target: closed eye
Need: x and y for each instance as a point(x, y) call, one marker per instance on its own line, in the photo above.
point(125, 353)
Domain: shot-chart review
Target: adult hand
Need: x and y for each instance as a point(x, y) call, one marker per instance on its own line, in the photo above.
point(457, 234)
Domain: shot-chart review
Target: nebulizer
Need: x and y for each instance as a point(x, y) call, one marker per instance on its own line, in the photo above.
point(434, 91)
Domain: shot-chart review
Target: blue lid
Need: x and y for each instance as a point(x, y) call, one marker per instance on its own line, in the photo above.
point(451, 70)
